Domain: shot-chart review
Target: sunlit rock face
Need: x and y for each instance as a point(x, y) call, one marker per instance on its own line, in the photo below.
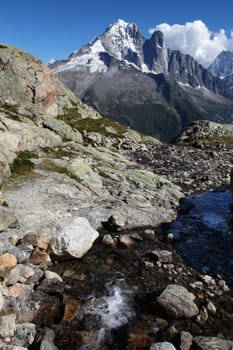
point(26, 79)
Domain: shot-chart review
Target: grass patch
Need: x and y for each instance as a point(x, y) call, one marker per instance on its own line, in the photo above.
point(94, 125)
point(22, 164)
point(10, 110)
point(70, 116)
point(100, 125)
point(73, 118)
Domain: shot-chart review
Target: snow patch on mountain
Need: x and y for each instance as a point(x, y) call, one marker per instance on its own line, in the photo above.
point(52, 61)
point(88, 57)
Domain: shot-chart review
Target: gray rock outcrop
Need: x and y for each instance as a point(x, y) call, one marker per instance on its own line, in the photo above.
point(213, 343)
point(26, 79)
point(178, 302)
point(206, 133)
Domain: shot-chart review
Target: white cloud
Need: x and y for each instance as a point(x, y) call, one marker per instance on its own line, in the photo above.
point(194, 38)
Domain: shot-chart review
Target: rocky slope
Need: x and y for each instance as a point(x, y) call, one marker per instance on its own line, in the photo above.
point(79, 187)
point(50, 188)
point(24, 78)
point(140, 83)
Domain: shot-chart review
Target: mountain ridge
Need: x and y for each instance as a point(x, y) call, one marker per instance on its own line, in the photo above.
point(175, 89)
point(125, 42)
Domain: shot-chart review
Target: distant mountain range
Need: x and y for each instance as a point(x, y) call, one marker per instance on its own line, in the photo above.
point(141, 83)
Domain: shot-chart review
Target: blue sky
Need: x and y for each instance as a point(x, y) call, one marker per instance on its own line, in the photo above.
point(54, 28)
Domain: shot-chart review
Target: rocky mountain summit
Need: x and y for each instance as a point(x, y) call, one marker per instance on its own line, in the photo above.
point(142, 84)
point(222, 67)
point(83, 260)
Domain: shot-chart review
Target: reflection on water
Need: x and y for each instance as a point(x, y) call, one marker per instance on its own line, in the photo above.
point(214, 221)
point(204, 236)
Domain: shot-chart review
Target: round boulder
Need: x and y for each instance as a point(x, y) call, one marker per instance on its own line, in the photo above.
point(74, 238)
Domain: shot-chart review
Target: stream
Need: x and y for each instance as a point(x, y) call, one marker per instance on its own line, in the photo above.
point(203, 233)
point(114, 289)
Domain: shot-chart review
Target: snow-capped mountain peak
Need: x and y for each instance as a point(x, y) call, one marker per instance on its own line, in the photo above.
point(122, 44)
point(121, 37)
point(141, 83)
point(121, 40)
point(119, 23)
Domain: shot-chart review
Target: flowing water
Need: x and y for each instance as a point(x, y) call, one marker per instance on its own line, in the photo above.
point(113, 308)
point(203, 233)
point(116, 290)
point(203, 236)
point(110, 312)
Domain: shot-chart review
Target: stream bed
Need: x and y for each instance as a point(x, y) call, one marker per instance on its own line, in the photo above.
point(108, 299)
point(203, 233)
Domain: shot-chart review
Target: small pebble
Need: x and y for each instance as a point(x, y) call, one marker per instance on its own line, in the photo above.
point(169, 238)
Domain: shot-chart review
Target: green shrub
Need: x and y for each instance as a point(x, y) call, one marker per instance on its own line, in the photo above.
point(22, 163)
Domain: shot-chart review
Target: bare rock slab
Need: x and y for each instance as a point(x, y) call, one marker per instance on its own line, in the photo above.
point(7, 218)
point(164, 256)
point(178, 302)
point(213, 343)
point(74, 238)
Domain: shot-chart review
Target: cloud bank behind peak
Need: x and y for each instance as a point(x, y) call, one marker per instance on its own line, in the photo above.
point(195, 38)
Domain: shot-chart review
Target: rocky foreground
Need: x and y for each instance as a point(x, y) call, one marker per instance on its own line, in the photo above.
point(84, 263)
point(82, 209)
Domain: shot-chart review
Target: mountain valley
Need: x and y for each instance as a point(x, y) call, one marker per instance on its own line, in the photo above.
point(86, 261)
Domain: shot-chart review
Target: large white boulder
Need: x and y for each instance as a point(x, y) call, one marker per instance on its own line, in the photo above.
point(74, 238)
